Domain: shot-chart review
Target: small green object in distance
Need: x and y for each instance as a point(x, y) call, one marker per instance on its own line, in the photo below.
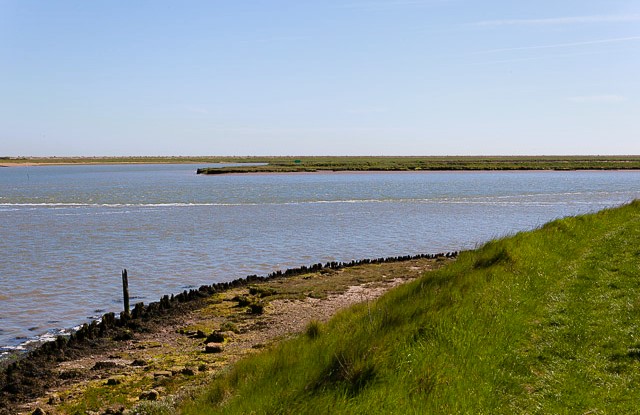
point(297, 161)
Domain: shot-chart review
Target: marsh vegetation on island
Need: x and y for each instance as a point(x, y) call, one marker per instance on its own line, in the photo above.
point(430, 163)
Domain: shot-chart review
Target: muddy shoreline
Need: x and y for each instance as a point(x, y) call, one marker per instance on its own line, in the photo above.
point(38, 377)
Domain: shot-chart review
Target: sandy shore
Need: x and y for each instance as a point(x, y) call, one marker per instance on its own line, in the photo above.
point(104, 160)
point(95, 163)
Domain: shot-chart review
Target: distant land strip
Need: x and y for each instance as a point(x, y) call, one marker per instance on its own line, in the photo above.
point(317, 164)
point(290, 164)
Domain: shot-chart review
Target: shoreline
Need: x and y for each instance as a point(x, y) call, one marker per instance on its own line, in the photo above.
point(172, 327)
point(8, 352)
point(105, 163)
point(109, 160)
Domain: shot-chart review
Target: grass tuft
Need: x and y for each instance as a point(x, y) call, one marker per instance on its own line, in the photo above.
point(313, 329)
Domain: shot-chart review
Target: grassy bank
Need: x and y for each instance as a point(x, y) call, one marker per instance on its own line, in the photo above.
point(541, 322)
point(314, 164)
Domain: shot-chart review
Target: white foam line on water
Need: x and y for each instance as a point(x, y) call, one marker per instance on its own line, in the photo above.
point(497, 199)
point(118, 205)
point(163, 205)
point(49, 336)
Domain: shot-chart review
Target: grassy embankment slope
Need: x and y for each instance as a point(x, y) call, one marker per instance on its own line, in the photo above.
point(542, 322)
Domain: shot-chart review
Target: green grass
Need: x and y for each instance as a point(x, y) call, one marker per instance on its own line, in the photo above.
point(542, 322)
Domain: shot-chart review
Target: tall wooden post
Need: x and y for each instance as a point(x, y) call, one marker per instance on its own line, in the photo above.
point(125, 291)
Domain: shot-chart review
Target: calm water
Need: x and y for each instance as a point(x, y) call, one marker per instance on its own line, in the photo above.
point(67, 231)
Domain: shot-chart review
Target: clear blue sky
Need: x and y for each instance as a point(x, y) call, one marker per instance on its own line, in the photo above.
point(335, 77)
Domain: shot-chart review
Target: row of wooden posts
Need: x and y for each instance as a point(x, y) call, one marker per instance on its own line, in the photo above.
point(293, 271)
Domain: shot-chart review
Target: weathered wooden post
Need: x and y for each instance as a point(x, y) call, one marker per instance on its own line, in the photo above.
point(125, 291)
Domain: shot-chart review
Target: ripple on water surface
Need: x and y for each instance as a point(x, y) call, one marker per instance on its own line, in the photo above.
point(68, 231)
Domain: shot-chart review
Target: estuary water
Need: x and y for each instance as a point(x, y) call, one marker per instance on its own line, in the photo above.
point(68, 231)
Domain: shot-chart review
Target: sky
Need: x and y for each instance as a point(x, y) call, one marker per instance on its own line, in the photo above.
point(331, 77)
